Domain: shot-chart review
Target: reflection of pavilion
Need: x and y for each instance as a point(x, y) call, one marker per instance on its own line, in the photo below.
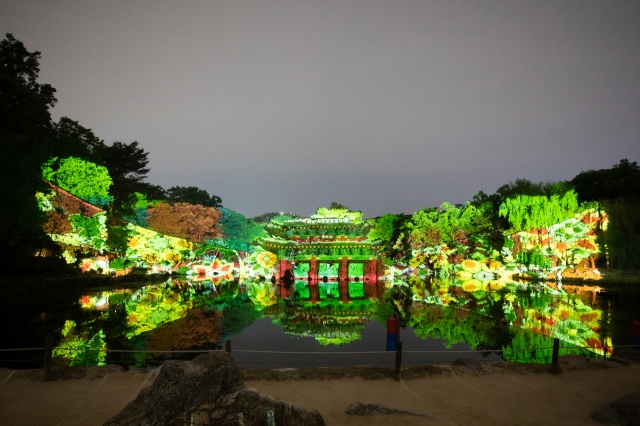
point(329, 321)
point(327, 255)
point(343, 290)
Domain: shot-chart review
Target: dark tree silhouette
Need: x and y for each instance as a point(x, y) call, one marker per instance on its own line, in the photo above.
point(77, 141)
point(27, 142)
point(127, 165)
point(192, 195)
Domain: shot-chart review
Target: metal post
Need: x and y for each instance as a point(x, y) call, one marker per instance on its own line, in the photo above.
point(47, 359)
point(227, 346)
point(554, 356)
point(398, 360)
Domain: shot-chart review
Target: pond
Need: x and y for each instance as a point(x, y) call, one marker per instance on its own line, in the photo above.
point(335, 324)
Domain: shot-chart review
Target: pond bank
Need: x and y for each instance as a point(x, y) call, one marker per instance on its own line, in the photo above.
point(497, 393)
point(31, 285)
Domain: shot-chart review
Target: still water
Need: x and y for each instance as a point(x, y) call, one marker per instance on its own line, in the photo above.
point(441, 320)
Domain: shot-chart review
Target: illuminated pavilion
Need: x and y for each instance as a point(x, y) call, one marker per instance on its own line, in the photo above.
point(328, 254)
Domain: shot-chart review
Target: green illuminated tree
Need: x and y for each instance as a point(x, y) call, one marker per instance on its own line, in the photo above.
point(82, 178)
point(384, 228)
point(448, 224)
point(526, 212)
point(236, 226)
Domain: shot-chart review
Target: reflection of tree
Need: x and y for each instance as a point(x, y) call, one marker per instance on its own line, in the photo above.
point(238, 315)
point(455, 326)
point(519, 349)
point(329, 322)
point(78, 349)
point(330, 332)
point(262, 293)
point(198, 328)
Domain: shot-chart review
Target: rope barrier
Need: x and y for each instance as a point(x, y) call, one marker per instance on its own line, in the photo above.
point(314, 353)
point(310, 352)
point(202, 351)
point(22, 349)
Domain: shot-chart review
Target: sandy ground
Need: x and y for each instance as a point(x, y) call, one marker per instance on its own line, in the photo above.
point(458, 396)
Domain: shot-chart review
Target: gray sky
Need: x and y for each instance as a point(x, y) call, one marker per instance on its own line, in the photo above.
point(385, 106)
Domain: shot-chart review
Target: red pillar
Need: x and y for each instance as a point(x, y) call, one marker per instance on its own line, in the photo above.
point(284, 266)
point(343, 288)
point(343, 272)
point(314, 293)
point(313, 271)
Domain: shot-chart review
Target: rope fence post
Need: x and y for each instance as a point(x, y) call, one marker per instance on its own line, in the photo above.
point(227, 346)
point(554, 356)
point(48, 347)
point(397, 374)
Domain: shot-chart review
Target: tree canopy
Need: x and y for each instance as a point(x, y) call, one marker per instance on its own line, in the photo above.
point(82, 178)
point(183, 220)
point(26, 140)
point(447, 224)
point(192, 195)
point(526, 212)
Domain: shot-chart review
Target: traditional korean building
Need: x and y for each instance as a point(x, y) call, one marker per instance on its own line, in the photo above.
point(329, 248)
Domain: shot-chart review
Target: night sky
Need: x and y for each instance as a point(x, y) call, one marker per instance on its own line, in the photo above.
point(385, 106)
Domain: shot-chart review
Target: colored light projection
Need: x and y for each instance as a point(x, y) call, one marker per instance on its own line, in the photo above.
point(515, 317)
point(437, 267)
point(551, 238)
point(328, 235)
point(563, 250)
point(539, 308)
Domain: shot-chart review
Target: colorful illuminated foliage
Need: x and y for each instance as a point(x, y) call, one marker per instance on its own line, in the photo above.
point(444, 241)
point(448, 224)
point(195, 222)
point(526, 212)
point(77, 349)
point(83, 179)
point(198, 328)
point(262, 294)
point(184, 315)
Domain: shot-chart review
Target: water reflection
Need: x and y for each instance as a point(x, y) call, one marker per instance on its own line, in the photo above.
point(485, 315)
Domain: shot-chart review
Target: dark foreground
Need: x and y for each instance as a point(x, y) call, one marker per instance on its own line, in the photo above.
point(496, 394)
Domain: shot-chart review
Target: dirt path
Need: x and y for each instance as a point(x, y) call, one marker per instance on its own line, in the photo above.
point(466, 399)
point(90, 400)
point(456, 397)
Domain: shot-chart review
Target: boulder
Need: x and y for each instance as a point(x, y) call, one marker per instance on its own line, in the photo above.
point(624, 411)
point(207, 391)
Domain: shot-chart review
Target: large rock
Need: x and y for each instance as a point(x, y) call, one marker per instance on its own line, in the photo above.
point(624, 411)
point(207, 391)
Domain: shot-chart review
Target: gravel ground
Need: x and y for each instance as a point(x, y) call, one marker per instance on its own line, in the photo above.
point(492, 394)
